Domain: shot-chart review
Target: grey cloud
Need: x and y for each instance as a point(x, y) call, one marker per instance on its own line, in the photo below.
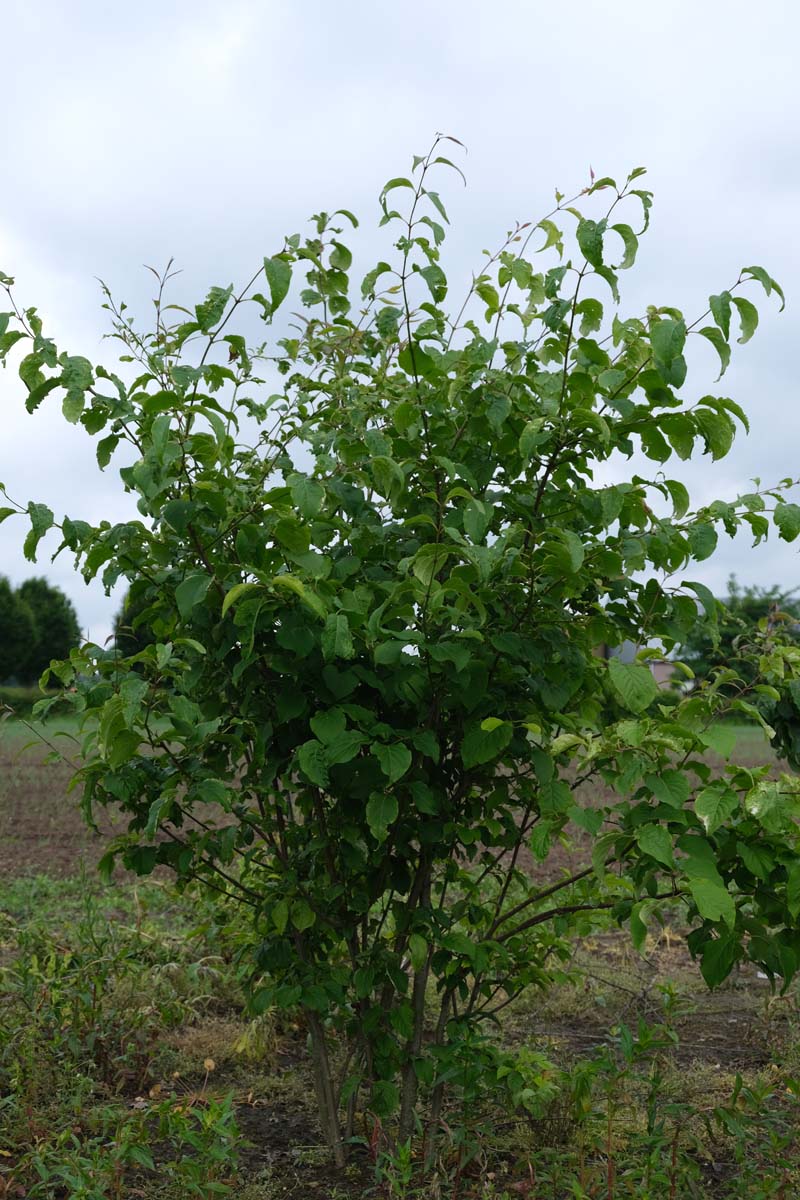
point(138, 132)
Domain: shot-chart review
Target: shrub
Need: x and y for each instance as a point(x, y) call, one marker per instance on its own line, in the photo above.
point(377, 568)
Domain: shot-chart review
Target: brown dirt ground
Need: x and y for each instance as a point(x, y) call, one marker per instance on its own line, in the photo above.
point(42, 830)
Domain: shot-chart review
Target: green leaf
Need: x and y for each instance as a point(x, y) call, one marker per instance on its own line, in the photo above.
point(279, 277)
point(713, 900)
point(530, 437)
point(395, 759)
point(656, 841)
point(720, 345)
point(477, 517)
point(31, 375)
point(787, 520)
point(793, 889)
point(631, 244)
point(702, 541)
point(591, 314)
point(307, 494)
point(417, 951)
point(720, 738)
point(590, 819)
point(372, 277)
point(72, 407)
point(437, 204)
point(303, 915)
point(105, 448)
point(399, 181)
point(670, 787)
point(679, 496)
point(340, 257)
point(718, 431)
point(747, 318)
point(280, 915)
point(382, 811)
point(575, 549)
point(209, 313)
point(236, 593)
point(337, 640)
point(633, 684)
point(314, 763)
point(141, 1156)
point(388, 654)
point(41, 521)
point(343, 747)
point(555, 797)
point(767, 282)
point(388, 476)
point(721, 312)
point(759, 860)
point(112, 723)
point(191, 591)
point(76, 373)
point(482, 745)
point(611, 279)
point(488, 293)
point(680, 432)
point(428, 562)
point(497, 411)
point(603, 852)
point(295, 536)
point(553, 237)
point(387, 323)
point(705, 596)
point(667, 338)
point(521, 272)
point(715, 804)
point(290, 583)
point(717, 958)
point(766, 803)
point(638, 928)
point(329, 725)
point(436, 280)
point(7, 340)
point(590, 240)
point(37, 394)
point(415, 361)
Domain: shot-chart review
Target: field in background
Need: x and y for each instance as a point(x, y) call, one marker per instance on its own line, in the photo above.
point(128, 1058)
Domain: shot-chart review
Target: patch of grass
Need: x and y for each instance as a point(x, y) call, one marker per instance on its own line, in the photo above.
point(23, 728)
point(90, 1000)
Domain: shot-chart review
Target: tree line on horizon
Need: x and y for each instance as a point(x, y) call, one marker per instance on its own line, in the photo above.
point(38, 623)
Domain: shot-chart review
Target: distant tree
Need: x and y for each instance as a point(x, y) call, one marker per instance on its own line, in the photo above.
point(726, 644)
point(131, 633)
point(56, 628)
point(17, 634)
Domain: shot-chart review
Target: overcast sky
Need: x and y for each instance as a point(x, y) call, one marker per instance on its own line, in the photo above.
point(131, 133)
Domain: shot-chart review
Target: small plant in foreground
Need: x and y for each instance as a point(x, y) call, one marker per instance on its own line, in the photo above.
point(379, 567)
point(197, 1153)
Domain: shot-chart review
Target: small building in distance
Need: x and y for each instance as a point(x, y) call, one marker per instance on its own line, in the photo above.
point(661, 668)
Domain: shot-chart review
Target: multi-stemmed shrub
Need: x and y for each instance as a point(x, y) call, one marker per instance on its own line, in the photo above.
point(381, 545)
